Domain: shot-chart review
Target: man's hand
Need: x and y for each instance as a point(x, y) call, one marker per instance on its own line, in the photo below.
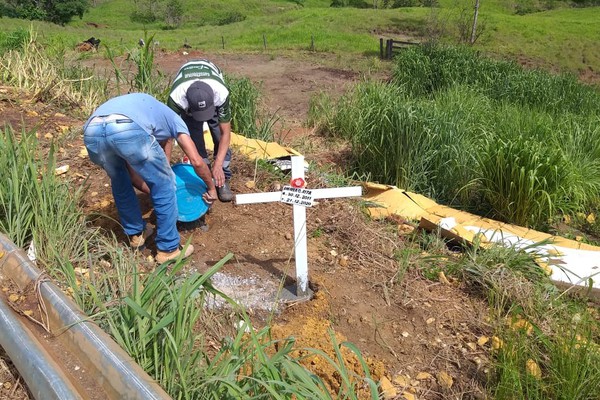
point(218, 175)
point(210, 196)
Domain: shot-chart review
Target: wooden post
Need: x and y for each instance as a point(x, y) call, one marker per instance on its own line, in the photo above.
point(390, 44)
point(381, 48)
point(474, 27)
point(312, 43)
point(264, 41)
point(223, 42)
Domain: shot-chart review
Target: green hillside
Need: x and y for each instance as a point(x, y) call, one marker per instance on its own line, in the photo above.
point(561, 39)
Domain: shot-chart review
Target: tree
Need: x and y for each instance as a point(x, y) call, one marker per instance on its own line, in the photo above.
point(173, 13)
point(56, 11)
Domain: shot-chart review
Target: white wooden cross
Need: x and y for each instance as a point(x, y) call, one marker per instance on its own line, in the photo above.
point(300, 197)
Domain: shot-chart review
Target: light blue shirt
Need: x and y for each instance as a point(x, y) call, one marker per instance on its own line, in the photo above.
point(150, 114)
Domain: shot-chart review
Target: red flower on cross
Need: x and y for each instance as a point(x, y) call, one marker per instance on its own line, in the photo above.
point(298, 183)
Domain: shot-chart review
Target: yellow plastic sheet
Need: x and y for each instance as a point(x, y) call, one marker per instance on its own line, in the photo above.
point(568, 262)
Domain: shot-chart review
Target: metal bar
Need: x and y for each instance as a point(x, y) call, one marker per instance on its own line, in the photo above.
point(116, 372)
point(44, 378)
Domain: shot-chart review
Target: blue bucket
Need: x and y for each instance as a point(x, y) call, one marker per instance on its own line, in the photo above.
point(190, 188)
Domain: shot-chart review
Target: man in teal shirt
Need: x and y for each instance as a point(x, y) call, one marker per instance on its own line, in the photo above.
point(199, 95)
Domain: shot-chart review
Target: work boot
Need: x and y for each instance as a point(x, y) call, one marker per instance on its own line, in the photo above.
point(224, 192)
point(138, 242)
point(164, 256)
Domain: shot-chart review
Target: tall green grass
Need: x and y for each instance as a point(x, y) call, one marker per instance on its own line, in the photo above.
point(536, 326)
point(247, 117)
point(431, 68)
point(469, 132)
point(14, 40)
point(37, 206)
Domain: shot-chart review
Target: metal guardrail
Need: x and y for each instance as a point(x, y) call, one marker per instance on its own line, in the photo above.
point(111, 367)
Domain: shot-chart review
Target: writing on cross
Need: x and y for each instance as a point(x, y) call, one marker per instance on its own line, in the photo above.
point(300, 198)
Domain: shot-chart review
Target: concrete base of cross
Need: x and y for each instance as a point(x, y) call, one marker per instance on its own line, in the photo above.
point(289, 294)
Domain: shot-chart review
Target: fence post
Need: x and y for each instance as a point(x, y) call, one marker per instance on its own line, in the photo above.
point(264, 41)
point(390, 48)
point(381, 48)
point(223, 42)
point(312, 43)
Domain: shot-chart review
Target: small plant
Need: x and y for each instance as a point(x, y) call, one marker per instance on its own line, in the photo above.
point(147, 78)
point(15, 40)
point(317, 232)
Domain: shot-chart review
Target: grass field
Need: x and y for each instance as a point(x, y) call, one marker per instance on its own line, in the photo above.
point(562, 39)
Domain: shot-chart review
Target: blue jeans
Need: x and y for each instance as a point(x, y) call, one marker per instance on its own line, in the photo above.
point(111, 145)
point(197, 134)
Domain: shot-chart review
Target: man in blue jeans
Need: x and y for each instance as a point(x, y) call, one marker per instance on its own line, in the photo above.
point(127, 131)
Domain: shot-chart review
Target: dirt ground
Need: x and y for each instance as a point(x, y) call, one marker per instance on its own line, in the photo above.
point(424, 338)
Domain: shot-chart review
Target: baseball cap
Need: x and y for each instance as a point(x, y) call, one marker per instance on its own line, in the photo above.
point(200, 97)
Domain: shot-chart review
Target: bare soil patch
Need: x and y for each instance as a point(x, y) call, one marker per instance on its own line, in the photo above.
point(414, 331)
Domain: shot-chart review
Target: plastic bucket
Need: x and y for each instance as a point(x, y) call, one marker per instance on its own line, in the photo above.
point(190, 188)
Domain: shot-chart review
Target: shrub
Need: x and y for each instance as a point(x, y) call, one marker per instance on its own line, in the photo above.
point(231, 17)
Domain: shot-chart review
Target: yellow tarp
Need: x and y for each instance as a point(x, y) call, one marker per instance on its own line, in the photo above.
point(254, 148)
point(567, 261)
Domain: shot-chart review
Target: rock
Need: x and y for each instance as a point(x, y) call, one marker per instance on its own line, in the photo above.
point(421, 376)
point(61, 170)
point(445, 380)
point(343, 261)
point(483, 340)
point(388, 391)
point(409, 396)
point(497, 343)
point(288, 236)
point(402, 380)
point(533, 369)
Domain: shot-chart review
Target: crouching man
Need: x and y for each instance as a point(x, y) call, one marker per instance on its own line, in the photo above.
point(127, 131)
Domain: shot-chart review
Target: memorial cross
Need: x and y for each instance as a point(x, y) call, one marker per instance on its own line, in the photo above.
point(300, 198)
